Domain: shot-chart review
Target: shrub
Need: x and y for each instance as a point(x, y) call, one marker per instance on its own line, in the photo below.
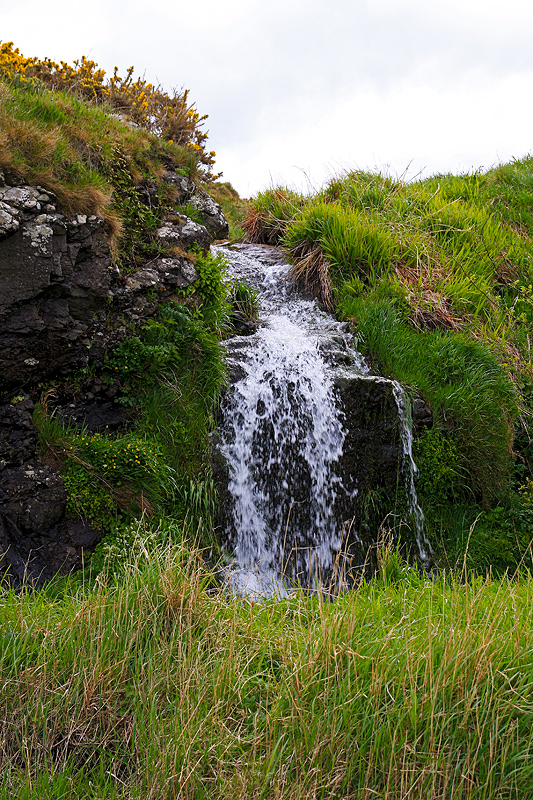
point(244, 299)
point(441, 476)
point(146, 105)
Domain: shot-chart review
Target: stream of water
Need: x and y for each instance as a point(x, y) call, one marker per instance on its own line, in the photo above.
point(282, 435)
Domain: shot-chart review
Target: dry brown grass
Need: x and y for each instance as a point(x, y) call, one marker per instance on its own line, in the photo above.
point(311, 269)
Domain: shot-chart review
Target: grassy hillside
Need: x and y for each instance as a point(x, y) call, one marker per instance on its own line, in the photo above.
point(100, 145)
point(436, 276)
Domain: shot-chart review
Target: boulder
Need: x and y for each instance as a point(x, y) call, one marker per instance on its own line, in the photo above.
point(36, 541)
point(183, 232)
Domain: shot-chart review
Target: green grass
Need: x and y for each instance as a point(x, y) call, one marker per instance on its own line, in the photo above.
point(155, 685)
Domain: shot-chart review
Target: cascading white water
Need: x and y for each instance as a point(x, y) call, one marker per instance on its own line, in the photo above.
point(283, 434)
point(410, 469)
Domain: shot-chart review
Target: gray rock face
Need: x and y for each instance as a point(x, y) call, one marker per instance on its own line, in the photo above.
point(55, 283)
point(61, 305)
point(184, 233)
point(210, 211)
point(36, 541)
point(212, 215)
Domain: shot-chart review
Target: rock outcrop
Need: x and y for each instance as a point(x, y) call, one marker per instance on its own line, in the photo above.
point(36, 540)
point(64, 306)
point(61, 304)
point(209, 211)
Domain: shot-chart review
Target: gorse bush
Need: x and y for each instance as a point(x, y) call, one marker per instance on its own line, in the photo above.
point(146, 105)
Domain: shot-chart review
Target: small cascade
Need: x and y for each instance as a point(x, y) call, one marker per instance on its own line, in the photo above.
point(283, 437)
point(410, 471)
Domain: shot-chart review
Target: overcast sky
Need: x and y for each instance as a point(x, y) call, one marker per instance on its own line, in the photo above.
point(297, 90)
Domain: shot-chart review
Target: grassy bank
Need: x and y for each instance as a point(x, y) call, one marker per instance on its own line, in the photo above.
point(153, 684)
point(436, 277)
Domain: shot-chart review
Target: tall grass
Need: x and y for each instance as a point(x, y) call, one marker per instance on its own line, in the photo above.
point(160, 685)
point(267, 218)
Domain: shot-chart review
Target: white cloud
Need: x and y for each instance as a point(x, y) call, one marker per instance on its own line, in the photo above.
point(291, 85)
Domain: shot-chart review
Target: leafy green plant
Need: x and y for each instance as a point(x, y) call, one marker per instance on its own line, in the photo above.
point(210, 286)
point(173, 373)
point(87, 497)
point(244, 299)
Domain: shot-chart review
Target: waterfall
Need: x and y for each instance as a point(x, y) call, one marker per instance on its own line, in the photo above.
point(283, 434)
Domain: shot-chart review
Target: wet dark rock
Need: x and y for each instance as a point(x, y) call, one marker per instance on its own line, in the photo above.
point(97, 415)
point(36, 558)
point(36, 540)
point(241, 324)
point(32, 497)
point(422, 415)
point(372, 458)
point(236, 349)
point(18, 437)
